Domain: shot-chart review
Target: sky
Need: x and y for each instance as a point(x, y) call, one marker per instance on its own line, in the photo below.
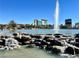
point(25, 11)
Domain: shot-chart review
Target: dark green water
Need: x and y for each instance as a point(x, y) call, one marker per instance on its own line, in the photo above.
point(26, 53)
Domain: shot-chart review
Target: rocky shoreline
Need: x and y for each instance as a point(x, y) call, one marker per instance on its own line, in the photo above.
point(58, 44)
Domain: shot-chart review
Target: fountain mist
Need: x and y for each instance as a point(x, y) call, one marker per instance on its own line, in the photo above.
point(56, 27)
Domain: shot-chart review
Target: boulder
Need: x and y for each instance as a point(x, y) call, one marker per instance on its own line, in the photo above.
point(55, 51)
point(69, 50)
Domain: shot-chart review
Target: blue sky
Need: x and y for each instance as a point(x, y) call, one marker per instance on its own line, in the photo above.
point(25, 11)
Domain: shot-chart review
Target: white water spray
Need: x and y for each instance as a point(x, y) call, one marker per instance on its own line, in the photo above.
point(56, 27)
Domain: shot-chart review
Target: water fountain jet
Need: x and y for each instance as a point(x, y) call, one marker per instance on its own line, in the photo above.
point(56, 27)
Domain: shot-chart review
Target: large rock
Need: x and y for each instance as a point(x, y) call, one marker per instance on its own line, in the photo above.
point(77, 40)
point(58, 35)
point(77, 35)
point(69, 50)
point(35, 36)
point(76, 51)
point(48, 48)
point(55, 51)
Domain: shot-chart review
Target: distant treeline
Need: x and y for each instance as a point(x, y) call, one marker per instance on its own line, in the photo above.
point(14, 25)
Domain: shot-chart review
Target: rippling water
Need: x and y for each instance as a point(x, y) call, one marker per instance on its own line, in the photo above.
point(43, 31)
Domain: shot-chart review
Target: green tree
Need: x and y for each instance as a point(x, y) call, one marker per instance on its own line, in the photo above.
point(12, 24)
point(1, 26)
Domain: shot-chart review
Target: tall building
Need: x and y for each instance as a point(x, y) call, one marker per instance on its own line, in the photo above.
point(41, 22)
point(36, 22)
point(77, 25)
point(44, 22)
point(68, 23)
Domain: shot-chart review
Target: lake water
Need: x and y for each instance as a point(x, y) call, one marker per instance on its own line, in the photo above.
point(70, 32)
point(26, 53)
